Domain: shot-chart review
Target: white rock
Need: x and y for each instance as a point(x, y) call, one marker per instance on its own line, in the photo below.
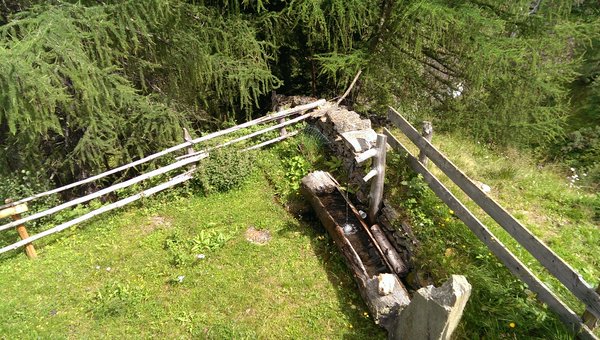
point(485, 188)
point(385, 284)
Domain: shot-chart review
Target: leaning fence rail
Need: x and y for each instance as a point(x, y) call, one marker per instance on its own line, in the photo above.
point(14, 208)
point(550, 260)
point(265, 119)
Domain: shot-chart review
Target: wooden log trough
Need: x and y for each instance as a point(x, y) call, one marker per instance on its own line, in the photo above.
point(363, 255)
point(432, 313)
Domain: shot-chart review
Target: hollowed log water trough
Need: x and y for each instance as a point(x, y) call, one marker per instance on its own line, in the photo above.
point(377, 269)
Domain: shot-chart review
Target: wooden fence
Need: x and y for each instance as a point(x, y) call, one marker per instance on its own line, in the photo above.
point(14, 209)
point(546, 257)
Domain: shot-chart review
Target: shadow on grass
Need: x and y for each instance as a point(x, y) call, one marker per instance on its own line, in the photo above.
point(338, 275)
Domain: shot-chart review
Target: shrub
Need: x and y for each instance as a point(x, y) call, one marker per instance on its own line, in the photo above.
point(224, 170)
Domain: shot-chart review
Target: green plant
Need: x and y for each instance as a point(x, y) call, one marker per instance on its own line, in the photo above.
point(210, 240)
point(224, 170)
point(296, 168)
point(117, 299)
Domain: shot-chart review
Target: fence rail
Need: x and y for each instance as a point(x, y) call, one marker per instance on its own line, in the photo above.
point(550, 260)
point(14, 208)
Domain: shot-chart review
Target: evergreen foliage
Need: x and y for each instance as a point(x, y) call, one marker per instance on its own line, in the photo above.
point(88, 85)
point(86, 88)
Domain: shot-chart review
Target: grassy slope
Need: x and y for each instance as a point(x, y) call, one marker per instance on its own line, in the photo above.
point(565, 218)
point(296, 286)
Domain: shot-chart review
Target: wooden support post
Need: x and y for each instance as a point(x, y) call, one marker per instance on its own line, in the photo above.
point(21, 230)
point(376, 194)
point(190, 149)
point(588, 318)
point(282, 131)
point(427, 132)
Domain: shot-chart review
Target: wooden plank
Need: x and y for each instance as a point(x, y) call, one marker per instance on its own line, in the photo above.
point(495, 245)
point(17, 209)
point(170, 183)
point(261, 120)
point(376, 191)
point(550, 260)
point(271, 141)
point(427, 133)
point(105, 191)
point(588, 318)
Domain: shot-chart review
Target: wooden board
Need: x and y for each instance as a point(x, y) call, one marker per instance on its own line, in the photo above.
point(550, 260)
point(261, 120)
point(17, 209)
point(495, 245)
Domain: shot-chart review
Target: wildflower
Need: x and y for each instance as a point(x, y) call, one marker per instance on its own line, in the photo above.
point(350, 325)
point(512, 325)
point(200, 256)
point(108, 269)
point(451, 212)
point(447, 219)
point(180, 278)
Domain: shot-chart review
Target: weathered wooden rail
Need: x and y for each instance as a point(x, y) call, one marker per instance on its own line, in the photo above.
point(546, 257)
point(13, 209)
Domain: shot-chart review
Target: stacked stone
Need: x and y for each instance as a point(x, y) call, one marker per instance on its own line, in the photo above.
point(349, 135)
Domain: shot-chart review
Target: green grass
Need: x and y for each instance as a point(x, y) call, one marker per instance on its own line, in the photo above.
point(295, 286)
point(564, 217)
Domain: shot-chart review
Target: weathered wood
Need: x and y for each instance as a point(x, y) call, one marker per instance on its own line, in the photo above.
point(376, 193)
point(254, 134)
point(282, 130)
point(148, 192)
point(316, 187)
point(271, 141)
point(349, 88)
point(105, 191)
point(427, 133)
point(190, 149)
point(10, 211)
point(261, 120)
point(550, 260)
point(21, 230)
point(588, 318)
point(389, 251)
point(494, 244)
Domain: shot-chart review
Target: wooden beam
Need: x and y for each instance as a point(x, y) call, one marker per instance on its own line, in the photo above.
point(14, 210)
point(261, 120)
point(588, 318)
point(376, 192)
point(271, 141)
point(105, 191)
point(427, 133)
point(568, 276)
point(170, 183)
point(494, 244)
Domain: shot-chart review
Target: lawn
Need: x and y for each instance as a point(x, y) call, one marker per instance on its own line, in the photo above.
point(564, 215)
point(136, 274)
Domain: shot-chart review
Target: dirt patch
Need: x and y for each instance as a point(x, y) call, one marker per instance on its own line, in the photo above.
point(256, 236)
point(154, 223)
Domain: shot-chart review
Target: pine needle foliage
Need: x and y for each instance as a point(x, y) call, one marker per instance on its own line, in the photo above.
point(85, 88)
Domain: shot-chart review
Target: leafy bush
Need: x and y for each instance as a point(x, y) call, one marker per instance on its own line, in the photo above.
point(224, 170)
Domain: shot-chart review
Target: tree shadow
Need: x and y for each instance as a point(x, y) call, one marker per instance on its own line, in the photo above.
point(338, 274)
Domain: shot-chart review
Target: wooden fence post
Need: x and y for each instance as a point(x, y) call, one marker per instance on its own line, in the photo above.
point(190, 149)
point(427, 132)
point(376, 194)
point(282, 131)
point(588, 318)
point(21, 230)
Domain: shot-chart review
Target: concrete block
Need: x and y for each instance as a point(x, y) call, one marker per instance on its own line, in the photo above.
point(434, 313)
